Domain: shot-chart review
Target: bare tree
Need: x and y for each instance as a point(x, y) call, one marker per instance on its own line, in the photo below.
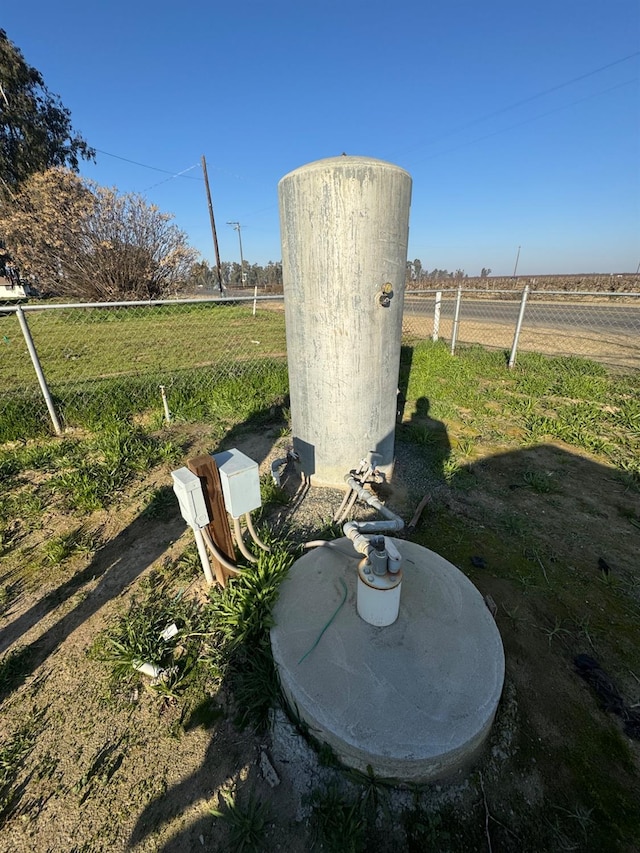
point(81, 240)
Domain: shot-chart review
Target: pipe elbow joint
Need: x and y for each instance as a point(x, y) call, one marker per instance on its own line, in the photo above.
point(360, 543)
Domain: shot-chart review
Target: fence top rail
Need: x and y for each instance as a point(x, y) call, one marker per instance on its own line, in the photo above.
point(600, 293)
point(142, 303)
point(470, 291)
point(454, 290)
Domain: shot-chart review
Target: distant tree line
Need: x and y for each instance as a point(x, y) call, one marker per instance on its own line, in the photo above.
point(205, 276)
point(269, 277)
point(417, 274)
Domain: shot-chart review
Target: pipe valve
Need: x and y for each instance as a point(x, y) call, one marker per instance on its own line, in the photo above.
point(385, 294)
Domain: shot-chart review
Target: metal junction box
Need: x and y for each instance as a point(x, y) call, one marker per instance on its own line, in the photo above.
point(188, 490)
point(240, 481)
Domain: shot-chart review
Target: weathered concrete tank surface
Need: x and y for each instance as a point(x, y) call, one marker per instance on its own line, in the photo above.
point(344, 228)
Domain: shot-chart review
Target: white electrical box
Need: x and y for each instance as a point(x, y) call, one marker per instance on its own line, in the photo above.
point(240, 481)
point(188, 489)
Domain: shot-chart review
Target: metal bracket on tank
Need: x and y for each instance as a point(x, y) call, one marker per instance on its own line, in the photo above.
point(385, 295)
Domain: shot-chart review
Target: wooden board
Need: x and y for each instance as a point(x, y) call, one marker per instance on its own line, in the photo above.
point(206, 469)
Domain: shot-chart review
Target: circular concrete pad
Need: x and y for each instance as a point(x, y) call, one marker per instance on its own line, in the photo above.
point(415, 700)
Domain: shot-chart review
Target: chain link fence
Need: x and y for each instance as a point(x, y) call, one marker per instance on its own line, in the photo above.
point(127, 356)
point(591, 325)
point(192, 357)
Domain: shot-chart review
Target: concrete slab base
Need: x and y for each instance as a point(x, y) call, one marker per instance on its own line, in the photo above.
point(415, 700)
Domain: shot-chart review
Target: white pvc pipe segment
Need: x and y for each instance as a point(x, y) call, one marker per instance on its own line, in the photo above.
point(204, 557)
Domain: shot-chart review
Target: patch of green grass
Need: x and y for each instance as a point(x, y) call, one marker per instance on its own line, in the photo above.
point(98, 468)
point(209, 377)
point(162, 504)
point(247, 823)
point(271, 494)
point(425, 831)
point(57, 549)
point(539, 482)
point(22, 414)
point(241, 616)
point(339, 821)
point(242, 611)
point(573, 400)
point(140, 637)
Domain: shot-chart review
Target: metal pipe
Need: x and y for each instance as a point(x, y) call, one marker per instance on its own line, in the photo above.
point(456, 321)
point(254, 535)
point(338, 515)
point(516, 336)
point(436, 316)
point(349, 496)
point(354, 530)
point(246, 553)
point(145, 303)
point(347, 509)
point(220, 557)
point(36, 364)
point(375, 526)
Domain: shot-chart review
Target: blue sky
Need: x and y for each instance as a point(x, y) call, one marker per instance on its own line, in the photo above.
point(468, 97)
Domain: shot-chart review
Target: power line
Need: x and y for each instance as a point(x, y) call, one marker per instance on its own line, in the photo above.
point(166, 180)
point(153, 168)
point(523, 101)
point(526, 121)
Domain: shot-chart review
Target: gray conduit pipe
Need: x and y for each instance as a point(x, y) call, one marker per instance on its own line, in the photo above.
point(373, 501)
point(246, 553)
point(361, 543)
point(354, 529)
point(275, 466)
point(254, 535)
point(218, 554)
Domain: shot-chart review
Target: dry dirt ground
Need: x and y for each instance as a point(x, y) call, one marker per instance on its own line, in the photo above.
point(116, 772)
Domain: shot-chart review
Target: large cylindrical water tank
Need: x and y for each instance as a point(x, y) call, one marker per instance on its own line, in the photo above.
point(344, 227)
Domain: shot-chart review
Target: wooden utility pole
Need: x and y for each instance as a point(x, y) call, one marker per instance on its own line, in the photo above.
point(515, 269)
point(213, 223)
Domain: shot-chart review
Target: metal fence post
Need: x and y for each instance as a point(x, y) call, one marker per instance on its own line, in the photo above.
point(436, 316)
point(36, 363)
point(456, 321)
point(516, 336)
